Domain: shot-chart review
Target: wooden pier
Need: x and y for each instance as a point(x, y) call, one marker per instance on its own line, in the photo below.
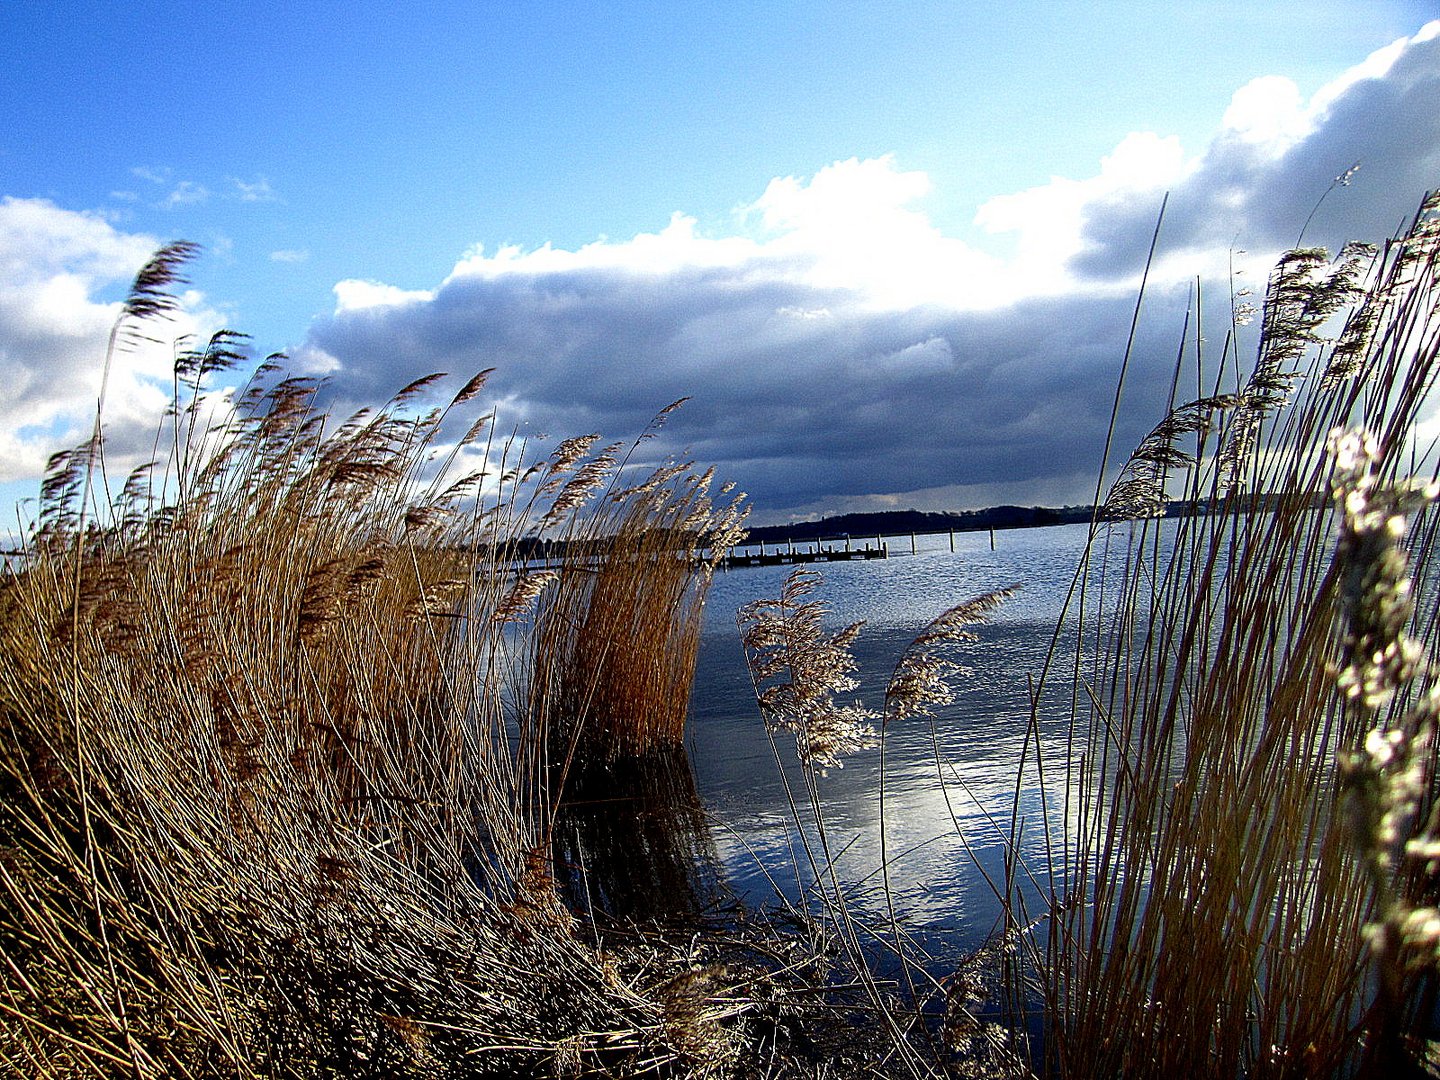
point(540, 555)
point(817, 552)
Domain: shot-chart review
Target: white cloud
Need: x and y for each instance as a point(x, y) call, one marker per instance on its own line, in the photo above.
point(1274, 159)
point(1049, 221)
point(674, 247)
point(186, 193)
point(1268, 110)
point(56, 266)
point(39, 240)
point(155, 175)
point(1377, 65)
point(933, 355)
point(853, 226)
point(1271, 113)
point(257, 190)
point(181, 193)
point(290, 255)
point(353, 295)
point(857, 225)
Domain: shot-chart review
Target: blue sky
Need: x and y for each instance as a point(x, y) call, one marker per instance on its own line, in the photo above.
point(889, 249)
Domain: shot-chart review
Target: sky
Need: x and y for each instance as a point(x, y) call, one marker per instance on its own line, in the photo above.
point(889, 250)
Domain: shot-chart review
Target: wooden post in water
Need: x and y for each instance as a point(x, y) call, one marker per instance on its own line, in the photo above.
point(992, 538)
point(912, 543)
point(952, 541)
point(847, 541)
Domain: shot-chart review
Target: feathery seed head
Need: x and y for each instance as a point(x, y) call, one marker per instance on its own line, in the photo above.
point(922, 679)
point(1378, 654)
point(786, 647)
point(472, 388)
point(517, 602)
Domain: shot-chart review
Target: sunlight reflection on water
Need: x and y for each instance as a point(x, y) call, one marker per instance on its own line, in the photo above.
point(938, 887)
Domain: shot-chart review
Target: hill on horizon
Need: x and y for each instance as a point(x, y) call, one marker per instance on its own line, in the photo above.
point(891, 522)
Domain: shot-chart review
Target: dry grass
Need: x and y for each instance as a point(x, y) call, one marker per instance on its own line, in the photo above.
point(1207, 910)
point(267, 804)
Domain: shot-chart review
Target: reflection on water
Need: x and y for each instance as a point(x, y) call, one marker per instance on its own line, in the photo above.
point(950, 788)
point(631, 841)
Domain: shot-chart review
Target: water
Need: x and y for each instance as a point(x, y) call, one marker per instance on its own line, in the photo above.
point(949, 788)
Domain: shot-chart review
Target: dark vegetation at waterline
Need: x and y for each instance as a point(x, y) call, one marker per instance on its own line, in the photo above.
point(299, 772)
point(900, 522)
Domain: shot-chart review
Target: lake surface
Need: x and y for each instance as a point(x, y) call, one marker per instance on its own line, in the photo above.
point(949, 787)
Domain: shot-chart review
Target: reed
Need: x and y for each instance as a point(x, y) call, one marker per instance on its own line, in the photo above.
point(1210, 908)
point(267, 804)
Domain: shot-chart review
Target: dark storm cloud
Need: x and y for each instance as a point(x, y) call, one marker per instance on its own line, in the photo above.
point(794, 406)
point(808, 395)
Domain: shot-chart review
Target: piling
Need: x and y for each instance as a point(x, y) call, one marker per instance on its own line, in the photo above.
point(805, 553)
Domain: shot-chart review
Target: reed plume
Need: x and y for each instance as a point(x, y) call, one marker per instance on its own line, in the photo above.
point(798, 670)
point(922, 679)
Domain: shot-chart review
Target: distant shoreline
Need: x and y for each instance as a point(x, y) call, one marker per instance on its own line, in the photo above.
point(896, 522)
point(900, 522)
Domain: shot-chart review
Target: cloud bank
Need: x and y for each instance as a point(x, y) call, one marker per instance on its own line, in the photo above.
point(841, 351)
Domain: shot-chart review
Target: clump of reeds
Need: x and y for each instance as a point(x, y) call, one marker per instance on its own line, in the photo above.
point(267, 805)
point(1206, 909)
point(613, 654)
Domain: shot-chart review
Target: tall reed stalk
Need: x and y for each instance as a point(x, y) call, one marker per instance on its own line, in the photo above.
point(1207, 910)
